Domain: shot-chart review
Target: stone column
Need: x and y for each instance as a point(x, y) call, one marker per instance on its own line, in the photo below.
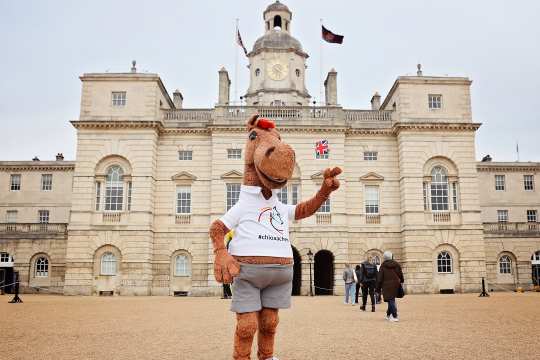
point(330, 88)
point(224, 87)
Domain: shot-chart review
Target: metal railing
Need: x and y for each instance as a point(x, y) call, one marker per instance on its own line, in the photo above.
point(532, 228)
point(32, 228)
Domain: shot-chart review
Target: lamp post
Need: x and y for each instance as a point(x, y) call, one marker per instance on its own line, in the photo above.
point(310, 259)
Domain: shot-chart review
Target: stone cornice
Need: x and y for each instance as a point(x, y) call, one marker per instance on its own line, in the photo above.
point(120, 124)
point(37, 166)
point(368, 131)
point(508, 167)
point(416, 126)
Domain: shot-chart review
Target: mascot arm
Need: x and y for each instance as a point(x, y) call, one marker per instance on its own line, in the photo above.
point(225, 266)
point(309, 207)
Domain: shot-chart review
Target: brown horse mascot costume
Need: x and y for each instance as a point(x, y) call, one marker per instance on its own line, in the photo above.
point(259, 261)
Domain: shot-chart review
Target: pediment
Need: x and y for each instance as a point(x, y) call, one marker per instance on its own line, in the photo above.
point(184, 176)
point(371, 176)
point(233, 174)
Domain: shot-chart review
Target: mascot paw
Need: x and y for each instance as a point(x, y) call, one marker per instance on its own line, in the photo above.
point(330, 182)
point(225, 267)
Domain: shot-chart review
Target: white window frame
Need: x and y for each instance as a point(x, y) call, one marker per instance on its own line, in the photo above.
point(182, 265)
point(500, 182)
point(43, 216)
point(108, 264)
point(439, 190)
point(502, 216)
point(129, 194)
point(118, 98)
point(15, 182)
point(114, 189)
point(232, 194)
point(185, 155)
point(41, 267)
point(435, 101)
point(289, 194)
point(371, 155)
point(46, 182)
point(11, 216)
point(505, 264)
point(98, 195)
point(4, 257)
point(528, 182)
point(234, 153)
point(183, 200)
point(444, 262)
point(325, 207)
point(532, 216)
point(372, 199)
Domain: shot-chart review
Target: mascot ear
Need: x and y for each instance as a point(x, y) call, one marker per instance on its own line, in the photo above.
point(252, 121)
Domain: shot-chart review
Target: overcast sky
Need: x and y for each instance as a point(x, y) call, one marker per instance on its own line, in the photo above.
point(46, 45)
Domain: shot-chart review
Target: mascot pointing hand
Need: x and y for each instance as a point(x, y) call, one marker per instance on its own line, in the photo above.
point(259, 261)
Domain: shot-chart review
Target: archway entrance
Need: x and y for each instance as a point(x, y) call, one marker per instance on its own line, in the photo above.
point(6, 273)
point(324, 273)
point(535, 264)
point(297, 277)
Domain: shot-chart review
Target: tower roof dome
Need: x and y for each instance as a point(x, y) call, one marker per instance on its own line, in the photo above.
point(277, 39)
point(277, 6)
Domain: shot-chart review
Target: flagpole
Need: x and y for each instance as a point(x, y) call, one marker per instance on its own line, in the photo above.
point(517, 150)
point(321, 67)
point(236, 64)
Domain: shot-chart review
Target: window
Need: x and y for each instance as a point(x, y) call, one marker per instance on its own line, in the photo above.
point(183, 200)
point(289, 194)
point(455, 196)
point(182, 267)
point(185, 155)
point(528, 182)
point(15, 183)
point(297, 72)
point(4, 257)
point(108, 264)
point(370, 155)
point(118, 98)
point(283, 195)
point(234, 153)
point(11, 216)
point(505, 265)
point(98, 195)
point(435, 101)
point(444, 262)
point(130, 190)
point(295, 194)
point(43, 216)
point(500, 182)
point(425, 191)
point(371, 199)
point(532, 216)
point(42, 267)
point(439, 189)
point(257, 72)
point(325, 207)
point(46, 182)
point(114, 189)
point(233, 194)
point(502, 216)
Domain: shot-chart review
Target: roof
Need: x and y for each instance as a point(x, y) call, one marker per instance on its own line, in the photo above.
point(37, 165)
point(277, 39)
point(277, 6)
point(508, 166)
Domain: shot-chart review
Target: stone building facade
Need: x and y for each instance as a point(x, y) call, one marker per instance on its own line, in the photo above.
point(150, 176)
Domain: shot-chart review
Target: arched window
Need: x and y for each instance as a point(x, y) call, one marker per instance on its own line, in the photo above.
point(439, 189)
point(505, 265)
point(114, 189)
point(257, 72)
point(297, 72)
point(536, 256)
point(182, 266)
point(444, 262)
point(277, 21)
point(108, 264)
point(375, 259)
point(42, 267)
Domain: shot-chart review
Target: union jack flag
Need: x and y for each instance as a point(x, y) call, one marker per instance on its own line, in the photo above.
point(321, 147)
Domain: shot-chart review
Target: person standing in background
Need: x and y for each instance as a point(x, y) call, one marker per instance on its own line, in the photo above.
point(358, 273)
point(368, 280)
point(348, 277)
point(389, 280)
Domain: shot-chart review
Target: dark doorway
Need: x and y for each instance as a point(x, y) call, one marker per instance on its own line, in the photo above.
point(6, 278)
point(536, 275)
point(297, 277)
point(324, 273)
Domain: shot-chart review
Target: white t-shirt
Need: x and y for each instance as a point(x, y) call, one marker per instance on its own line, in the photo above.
point(261, 227)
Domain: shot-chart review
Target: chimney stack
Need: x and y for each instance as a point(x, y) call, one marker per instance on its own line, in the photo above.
point(59, 157)
point(177, 99)
point(330, 88)
point(224, 87)
point(376, 101)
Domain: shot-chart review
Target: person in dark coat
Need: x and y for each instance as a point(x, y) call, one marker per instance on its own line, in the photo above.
point(389, 280)
point(358, 273)
point(368, 279)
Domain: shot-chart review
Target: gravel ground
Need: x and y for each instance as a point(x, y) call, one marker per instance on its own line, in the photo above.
point(506, 325)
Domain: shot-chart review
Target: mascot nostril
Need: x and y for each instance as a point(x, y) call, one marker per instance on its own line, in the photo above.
point(261, 238)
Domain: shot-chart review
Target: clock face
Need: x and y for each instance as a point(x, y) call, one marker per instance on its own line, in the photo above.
point(277, 70)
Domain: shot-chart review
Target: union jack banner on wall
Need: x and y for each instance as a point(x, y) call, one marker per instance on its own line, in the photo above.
point(321, 148)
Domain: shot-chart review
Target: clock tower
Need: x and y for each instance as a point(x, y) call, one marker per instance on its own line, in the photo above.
point(277, 63)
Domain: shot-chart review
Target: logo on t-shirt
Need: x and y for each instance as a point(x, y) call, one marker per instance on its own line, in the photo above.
point(272, 215)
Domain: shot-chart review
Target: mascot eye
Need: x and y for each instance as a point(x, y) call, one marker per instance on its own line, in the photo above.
point(252, 135)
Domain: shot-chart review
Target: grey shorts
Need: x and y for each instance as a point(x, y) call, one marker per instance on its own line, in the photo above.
point(259, 286)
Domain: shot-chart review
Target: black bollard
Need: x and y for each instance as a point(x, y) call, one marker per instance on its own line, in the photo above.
point(483, 293)
point(16, 299)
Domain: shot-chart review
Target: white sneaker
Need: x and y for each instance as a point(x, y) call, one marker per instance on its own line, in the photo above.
point(393, 319)
point(273, 358)
point(386, 317)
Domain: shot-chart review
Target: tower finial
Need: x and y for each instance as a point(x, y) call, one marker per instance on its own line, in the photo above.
point(419, 71)
point(133, 66)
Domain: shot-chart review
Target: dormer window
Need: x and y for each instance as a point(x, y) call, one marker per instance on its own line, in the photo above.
point(118, 98)
point(257, 72)
point(435, 101)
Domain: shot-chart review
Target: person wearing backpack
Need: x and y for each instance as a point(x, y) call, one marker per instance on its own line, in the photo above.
point(368, 281)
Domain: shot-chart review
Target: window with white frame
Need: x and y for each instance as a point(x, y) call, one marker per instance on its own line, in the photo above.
point(108, 264)
point(43, 216)
point(129, 192)
point(283, 195)
point(505, 265)
point(46, 182)
point(289, 194)
point(185, 155)
point(183, 199)
point(439, 189)
point(502, 216)
point(295, 194)
point(425, 192)
point(435, 101)
point(4, 257)
point(15, 182)
point(532, 216)
point(528, 182)
point(98, 195)
point(114, 189)
point(234, 153)
point(233, 194)
point(42, 267)
point(182, 266)
point(444, 262)
point(370, 155)
point(11, 216)
point(455, 196)
point(325, 207)
point(371, 199)
point(118, 98)
point(500, 182)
